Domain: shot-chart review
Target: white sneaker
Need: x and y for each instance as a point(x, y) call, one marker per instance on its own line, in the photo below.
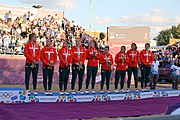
point(108, 91)
point(102, 92)
point(143, 90)
point(87, 91)
point(35, 93)
point(81, 92)
point(136, 90)
point(123, 91)
point(29, 93)
point(128, 90)
point(116, 91)
point(73, 92)
point(93, 91)
point(46, 93)
point(50, 92)
point(61, 92)
point(146, 89)
point(66, 92)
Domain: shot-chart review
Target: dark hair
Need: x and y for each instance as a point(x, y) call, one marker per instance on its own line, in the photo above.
point(134, 45)
point(95, 44)
point(176, 62)
point(67, 42)
point(123, 47)
point(147, 44)
point(107, 47)
point(31, 35)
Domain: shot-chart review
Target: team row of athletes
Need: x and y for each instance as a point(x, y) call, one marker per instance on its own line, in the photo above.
point(75, 57)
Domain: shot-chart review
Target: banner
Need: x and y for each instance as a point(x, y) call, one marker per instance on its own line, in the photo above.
point(13, 96)
point(105, 97)
point(11, 73)
point(125, 35)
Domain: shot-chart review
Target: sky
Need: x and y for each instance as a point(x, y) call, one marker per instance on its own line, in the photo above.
point(158, 14)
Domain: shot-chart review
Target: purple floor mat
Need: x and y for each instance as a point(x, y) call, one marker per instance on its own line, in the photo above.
point(60, 111)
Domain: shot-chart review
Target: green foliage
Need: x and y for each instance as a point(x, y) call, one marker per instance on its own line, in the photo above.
point(165, 35)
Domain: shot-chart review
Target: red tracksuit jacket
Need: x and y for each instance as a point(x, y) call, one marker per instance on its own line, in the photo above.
point(89, 56)
point(78, 58)
point(103, 62)
point(121, 65)
point(146, 59)
point(32, 52)
point(48, 54)
point(65, 57)
point(133, 58)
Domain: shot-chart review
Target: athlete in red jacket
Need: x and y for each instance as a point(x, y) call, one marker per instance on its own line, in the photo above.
point(92, 55)
point(122, 61)
point(106, 61)
point(146, 58)
point(133, 55)
point(32, 54)
point(79, 56)
point(48, 58)
point(65, 57)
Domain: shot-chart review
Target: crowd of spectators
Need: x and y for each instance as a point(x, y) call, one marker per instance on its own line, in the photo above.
point(168, 55)
point(14, 32)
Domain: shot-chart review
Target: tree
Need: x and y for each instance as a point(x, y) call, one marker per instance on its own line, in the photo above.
point(174, 32)
point(165, 35)
point(178, 29)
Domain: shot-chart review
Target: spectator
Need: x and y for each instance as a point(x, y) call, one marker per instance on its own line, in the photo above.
point(154, 73)
point(49, 26)
point(175, 74)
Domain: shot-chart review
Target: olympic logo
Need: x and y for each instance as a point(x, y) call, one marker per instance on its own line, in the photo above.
point(6, 95)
